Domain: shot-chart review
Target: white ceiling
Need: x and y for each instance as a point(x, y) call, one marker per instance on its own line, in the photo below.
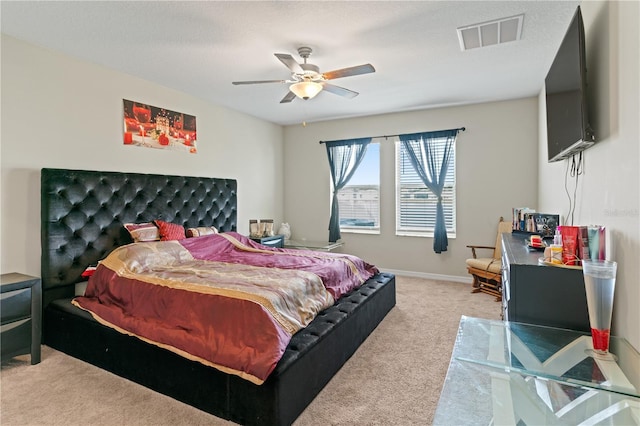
point(201, 47)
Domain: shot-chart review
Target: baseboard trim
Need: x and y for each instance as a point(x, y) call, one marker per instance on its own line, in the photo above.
point(430, 276)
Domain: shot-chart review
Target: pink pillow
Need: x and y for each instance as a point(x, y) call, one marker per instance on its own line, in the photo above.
point(169, 231)
point(142, 232)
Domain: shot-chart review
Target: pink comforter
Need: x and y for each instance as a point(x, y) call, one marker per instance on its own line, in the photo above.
point(339, 272)
point(221, 299)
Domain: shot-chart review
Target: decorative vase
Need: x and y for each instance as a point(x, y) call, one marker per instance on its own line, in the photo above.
point(267, 230)
point(254, 229)
point(599, 283)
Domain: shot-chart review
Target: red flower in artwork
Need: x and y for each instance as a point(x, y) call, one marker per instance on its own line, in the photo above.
point(163, 139)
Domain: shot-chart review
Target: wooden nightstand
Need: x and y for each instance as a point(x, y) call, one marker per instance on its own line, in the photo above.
point(274, 241)
point(20, 310)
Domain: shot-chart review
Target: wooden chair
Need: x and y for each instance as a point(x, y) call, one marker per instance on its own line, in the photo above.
point(487, 271)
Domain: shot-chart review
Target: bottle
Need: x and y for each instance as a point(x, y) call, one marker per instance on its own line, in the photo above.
point(556, 249)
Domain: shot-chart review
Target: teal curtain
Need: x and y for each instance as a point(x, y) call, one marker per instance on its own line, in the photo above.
point(432, 166)
point(344, 158)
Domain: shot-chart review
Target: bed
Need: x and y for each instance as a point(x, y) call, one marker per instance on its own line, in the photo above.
point(83, 213)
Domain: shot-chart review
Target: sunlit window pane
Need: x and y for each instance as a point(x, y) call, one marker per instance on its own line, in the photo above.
point(359, 200)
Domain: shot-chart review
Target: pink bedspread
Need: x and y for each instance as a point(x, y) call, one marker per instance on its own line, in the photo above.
point(221, 300)
point(339, 272)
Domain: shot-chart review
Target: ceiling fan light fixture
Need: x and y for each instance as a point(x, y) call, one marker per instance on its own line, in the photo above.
point(306, 89)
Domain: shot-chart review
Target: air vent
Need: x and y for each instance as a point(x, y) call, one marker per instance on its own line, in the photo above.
point(489, 33)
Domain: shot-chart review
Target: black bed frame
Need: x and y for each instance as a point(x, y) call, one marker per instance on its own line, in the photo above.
point(82, 216)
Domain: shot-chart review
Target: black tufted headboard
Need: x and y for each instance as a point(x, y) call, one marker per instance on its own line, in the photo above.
point(82, 214)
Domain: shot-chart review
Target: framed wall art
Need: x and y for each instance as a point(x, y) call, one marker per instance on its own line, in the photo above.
point(156, 127)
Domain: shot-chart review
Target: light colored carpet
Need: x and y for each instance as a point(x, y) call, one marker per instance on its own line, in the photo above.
point(394, 378)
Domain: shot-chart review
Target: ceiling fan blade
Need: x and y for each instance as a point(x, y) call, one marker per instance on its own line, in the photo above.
point(337, 90)
point(258, 82)
point(347, 72)
point(291, 63)
point(288, 97)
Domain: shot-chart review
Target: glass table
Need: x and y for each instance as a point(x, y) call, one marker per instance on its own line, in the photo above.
point(507, 373)
point(312, 245)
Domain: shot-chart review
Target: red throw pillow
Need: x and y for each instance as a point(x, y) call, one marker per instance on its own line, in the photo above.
point(169, 231)
point(89, 271)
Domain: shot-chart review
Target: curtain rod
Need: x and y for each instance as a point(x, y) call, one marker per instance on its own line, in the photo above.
point(462, 129)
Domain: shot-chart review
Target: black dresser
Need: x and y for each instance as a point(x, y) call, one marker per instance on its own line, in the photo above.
point(538, 294)
point(20, 309)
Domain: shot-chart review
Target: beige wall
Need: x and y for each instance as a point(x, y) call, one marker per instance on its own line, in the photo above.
point(496, 170)
point(64, 113)
point(608, 192)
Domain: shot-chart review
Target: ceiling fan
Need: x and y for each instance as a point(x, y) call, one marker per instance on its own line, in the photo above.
point(307, 80)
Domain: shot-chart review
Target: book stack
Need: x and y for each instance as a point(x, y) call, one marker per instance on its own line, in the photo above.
point(526, 219)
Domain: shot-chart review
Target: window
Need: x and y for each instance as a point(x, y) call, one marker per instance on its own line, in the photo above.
point(416, 204)
point(359, 200)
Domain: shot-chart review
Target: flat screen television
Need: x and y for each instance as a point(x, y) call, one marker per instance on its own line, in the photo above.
point(568, 129)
